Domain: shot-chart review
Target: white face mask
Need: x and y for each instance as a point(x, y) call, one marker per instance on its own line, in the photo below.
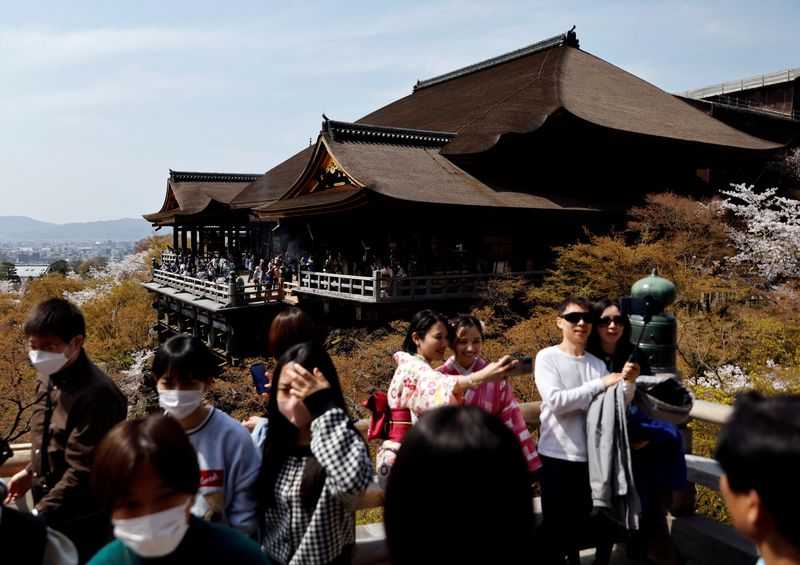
point(47, 362)
point(180, 403)
point(154, 535)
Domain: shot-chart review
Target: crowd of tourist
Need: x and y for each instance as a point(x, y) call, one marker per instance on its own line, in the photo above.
point(269, 269)
point(457, 463)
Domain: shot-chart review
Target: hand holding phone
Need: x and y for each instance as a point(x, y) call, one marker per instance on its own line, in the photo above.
point(524, 367)
point(260, 378)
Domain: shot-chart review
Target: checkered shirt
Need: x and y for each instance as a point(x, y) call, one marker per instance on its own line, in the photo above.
point(295, 536)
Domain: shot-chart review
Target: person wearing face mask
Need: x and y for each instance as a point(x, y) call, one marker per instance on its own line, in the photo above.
point(75, 405)
point(183, 369)
point(145, 477)
point(316, 464)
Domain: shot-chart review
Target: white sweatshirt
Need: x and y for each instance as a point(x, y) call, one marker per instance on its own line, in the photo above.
point(567, 385)
point(229, 466)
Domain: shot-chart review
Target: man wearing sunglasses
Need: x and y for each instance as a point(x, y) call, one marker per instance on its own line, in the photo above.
point(568, 379)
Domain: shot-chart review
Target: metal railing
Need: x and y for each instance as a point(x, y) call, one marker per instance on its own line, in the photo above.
point(743, 84)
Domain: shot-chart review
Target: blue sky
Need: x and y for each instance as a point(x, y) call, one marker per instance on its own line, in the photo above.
point(98, 100)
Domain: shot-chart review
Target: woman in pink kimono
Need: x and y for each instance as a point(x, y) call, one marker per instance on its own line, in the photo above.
point(496, 397)
point(417, 387)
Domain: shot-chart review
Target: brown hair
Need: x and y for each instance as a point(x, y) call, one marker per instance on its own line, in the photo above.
point(157, 440)
point(290, 327)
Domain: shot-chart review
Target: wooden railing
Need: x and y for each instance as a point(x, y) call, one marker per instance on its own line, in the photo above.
point(168, 256)
point(223, 292)
point(377, 288)
point(700, 470)
point(349, 287)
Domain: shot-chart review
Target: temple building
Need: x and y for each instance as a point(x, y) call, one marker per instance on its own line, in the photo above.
point(481, 170)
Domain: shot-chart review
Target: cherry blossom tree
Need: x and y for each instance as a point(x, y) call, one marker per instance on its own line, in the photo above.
point(768, 235)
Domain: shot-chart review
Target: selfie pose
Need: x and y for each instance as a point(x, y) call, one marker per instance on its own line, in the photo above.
point(496, 397)
point(417, 387)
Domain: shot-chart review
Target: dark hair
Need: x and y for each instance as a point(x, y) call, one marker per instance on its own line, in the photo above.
point(463, 322)
point(288, 328)
point(581, 301)
point(55, 316)
point(185, 359)
point(759, 449)
point(624, 347)
point(157, 440)
point(422, 321)
point(282, 436)
point(593, 344)
point(461, 465)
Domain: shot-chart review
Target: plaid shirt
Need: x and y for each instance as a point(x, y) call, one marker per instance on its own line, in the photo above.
point(297, 536)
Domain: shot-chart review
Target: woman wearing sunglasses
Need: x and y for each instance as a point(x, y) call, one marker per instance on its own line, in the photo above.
point(610, 339)
point(654, 444)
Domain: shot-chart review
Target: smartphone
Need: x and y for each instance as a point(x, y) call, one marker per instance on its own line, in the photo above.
point(524, 367)
point(260, 378)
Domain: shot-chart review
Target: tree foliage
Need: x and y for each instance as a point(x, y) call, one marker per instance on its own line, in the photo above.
point(767, 232)
point(60, 267)
point(118, 316)
point(8, 272)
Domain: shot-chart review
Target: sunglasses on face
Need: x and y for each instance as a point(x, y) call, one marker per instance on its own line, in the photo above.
point(605, 321)
point(575, 317)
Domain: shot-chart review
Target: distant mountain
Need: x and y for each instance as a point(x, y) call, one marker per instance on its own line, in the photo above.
point(23, 228)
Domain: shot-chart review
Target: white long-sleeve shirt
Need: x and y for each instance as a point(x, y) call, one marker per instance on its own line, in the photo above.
point(567, 385)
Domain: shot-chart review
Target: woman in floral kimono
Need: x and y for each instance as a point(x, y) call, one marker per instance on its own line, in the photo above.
point(417, 387)
point(496, 397)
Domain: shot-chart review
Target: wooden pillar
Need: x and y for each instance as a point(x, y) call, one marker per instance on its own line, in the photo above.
point(212, 334)
point(183, 238)
point(180, 319)
point(175, 238)
point(194, 240)
point(201, 243)
point(195, 323)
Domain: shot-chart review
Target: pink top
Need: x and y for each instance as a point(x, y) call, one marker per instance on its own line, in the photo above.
point(497, 398)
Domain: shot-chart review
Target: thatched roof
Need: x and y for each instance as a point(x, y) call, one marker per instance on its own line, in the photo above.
point(191, 194)
point(403, 151)
point(395, 164)
point(517, 93)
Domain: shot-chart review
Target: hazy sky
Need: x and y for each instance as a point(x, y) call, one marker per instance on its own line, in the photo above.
point(98, 100)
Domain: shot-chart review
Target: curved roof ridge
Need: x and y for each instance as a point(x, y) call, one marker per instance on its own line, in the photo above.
point(348, 131)
point(195, 176)
point(567, 38)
